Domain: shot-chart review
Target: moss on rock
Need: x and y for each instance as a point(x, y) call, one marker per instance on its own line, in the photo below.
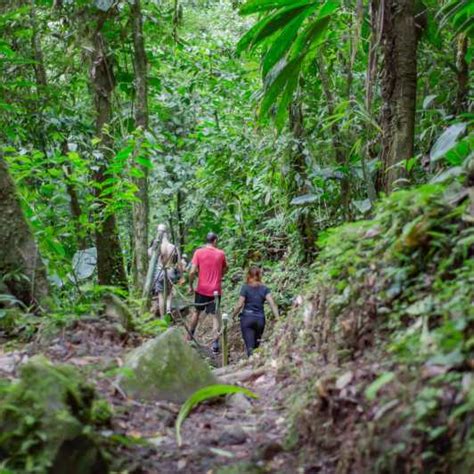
point(47, 422)
point(165, 368)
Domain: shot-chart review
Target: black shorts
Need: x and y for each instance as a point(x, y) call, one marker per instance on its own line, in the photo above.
point(210, 307)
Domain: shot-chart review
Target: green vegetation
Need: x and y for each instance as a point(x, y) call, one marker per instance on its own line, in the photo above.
point(50, 418)
point(389, 315)
point(205, 394)
point(330, 142)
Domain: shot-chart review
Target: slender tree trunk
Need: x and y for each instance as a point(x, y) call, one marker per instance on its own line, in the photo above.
point(18, 252)
point(176, 19)
point(336, 139)
point(179, 217)
point(305, 222)
point(462, 66)
point(110, 265)
point(369, 88)
point(140, 208)
point(399, 82)
point(40, 77)
point(40, 70)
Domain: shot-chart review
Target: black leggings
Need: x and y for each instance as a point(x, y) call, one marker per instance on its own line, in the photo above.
point(252, 329)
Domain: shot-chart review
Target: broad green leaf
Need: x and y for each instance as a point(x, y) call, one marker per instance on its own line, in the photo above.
point(269, 25)
point(104, 5)
point(284, 41)
point(383, 379)
point(84, 263)
point(278, 84)
point(202, 395)
point(304, 199)
point(282, 112)
point(276, 22)
point(255, 6)
point(363, 205)
point(309, 37)
point(447, 141)
point(428, 101)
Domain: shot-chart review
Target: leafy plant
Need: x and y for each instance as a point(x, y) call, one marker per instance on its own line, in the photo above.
point(203, 395)
point(290, 33)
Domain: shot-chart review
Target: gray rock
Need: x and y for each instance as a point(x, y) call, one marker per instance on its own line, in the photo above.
point(240, 402)
point(165, 368)
point(234, 436)
point(117, 311)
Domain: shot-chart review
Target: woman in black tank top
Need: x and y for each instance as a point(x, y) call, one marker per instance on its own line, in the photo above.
point(252, 298)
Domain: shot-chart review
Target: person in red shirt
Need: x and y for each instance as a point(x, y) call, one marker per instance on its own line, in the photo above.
point(210, 264)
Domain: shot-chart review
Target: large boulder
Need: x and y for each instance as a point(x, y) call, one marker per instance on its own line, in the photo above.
point(165, 368)
point(48, 422)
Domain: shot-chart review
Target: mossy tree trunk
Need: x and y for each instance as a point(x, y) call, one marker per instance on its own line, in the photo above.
point(140, 207)
point(399, 83)
point(110, 266)
point(19, 255)
point(462, 69)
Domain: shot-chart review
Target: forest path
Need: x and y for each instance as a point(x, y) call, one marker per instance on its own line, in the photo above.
point(235, 434)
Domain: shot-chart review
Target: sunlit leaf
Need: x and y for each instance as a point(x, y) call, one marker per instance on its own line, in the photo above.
point(202, 395)
point(447, 141)
point(255, 6)
point(304, 199)
point(84, 263)
point(383, 379)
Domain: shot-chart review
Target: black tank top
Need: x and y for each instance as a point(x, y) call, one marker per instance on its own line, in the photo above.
point(254, 299)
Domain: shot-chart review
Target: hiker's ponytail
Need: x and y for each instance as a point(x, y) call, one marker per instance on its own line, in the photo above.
point(254, 275)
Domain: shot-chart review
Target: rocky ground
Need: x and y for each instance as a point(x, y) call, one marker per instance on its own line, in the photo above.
point(232, 435)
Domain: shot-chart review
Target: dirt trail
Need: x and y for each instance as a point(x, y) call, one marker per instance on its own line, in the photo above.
point(236, 431)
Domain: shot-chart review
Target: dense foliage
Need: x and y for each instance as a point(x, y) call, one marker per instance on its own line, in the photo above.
point(388, 346)
point(328, 141)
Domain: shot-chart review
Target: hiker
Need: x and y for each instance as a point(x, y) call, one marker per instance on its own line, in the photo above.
point(168, 272)
point(253, 296)
point(210, 264)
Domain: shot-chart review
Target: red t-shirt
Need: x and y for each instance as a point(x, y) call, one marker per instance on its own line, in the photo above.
point(211, 263)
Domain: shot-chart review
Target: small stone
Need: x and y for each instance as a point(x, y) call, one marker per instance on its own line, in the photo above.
point(239, 401)
point(232, 437)
point(344, 380)
point(269, 450)
point(76, 338)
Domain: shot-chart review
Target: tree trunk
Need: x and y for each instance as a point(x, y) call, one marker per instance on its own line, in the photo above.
point(140, 208)
point(40, 77)
point(179, 218)
point(298, 174)
point(18, 251)
point(110, 266)
point(399, 81)
point(369, 88)
point(336, 139)
point(40, 71)
point(462, 66)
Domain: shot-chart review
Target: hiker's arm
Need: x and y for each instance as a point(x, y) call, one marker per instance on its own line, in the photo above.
point(192, 274)
point(273, 305)
point(238, 306)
